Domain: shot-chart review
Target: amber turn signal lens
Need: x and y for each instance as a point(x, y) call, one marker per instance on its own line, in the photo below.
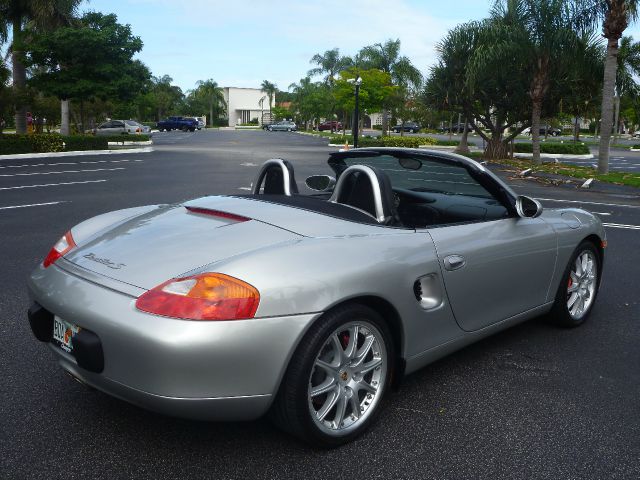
point(208, 296)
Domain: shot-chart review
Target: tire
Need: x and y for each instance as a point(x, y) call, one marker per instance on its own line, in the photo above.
point(577, 287)
point(270, 129)
point(289, 130)
point(327, 417)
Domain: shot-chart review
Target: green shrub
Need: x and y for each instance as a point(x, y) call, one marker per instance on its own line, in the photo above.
point(41, 143)
point(407, 142)
point(636, 146)
point(453, 143)
point(46, 142)
point(75, 143)
point(10, 144)
point(560, 148)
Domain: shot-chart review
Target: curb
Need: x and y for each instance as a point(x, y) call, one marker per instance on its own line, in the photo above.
point(17, 156)
point(560, 156)
point(125, 143)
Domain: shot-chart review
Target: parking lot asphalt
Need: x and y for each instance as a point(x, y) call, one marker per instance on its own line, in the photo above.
point(531, 402)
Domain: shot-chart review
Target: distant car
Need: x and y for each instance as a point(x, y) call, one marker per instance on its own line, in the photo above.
point(178, 123)
point(119, 127)
point(332, 125)
point(545, 130)
point(199, 122)
point(144, 129)
point(636, 134)
point(407, 127)
point(283, 126)
point(455, 128)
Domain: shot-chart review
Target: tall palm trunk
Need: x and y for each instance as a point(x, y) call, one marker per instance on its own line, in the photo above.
point(64, 120)
point(463, 146)
point(610, 67)
point(536, 109)
point(19, 77)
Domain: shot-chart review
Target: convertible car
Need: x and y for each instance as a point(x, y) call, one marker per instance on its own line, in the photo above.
point(308, 307)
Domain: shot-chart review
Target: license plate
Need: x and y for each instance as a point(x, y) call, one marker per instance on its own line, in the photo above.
point(63, 333)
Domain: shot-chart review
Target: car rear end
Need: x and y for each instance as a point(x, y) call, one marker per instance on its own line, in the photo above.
point(116, 309)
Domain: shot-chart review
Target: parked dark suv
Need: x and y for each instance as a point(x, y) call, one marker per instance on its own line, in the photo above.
point(546, 130)
point(407, 127)
point(332, 125)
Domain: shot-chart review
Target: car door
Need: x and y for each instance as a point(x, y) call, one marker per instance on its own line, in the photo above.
point(118, 127)
point(495, 269)
point(104, 128)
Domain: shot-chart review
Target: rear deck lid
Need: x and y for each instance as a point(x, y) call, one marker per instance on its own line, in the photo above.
point(156, 246)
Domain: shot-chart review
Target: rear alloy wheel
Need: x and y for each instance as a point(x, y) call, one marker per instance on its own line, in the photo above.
point(579, 287)
point(337, 377)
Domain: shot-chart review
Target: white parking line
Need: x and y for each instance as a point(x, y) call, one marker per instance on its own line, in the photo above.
point(620, 225)
point(601, 213)
point(62, 171)
point(244, 188)
point(29, 165)
point(587, 203)
point(51, 184)
point(32, 205)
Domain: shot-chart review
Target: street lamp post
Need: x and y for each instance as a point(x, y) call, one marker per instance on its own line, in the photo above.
point(357, 82)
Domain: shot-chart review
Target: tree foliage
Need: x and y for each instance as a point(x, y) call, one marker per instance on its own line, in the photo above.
point(92, 59)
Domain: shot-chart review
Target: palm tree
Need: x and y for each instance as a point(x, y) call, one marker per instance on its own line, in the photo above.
point(270, 89)
point(212, 94)
point(42, 14)
point(329, 64)
point(628, 69)
point(615, 16)
point(542, 31)
point(386, 57)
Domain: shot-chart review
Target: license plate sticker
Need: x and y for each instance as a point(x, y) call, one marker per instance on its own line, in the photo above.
point(63, 333)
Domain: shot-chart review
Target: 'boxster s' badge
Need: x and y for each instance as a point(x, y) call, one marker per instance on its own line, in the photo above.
point(104, 261)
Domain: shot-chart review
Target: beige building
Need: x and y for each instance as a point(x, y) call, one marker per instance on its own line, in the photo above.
point(245, 104)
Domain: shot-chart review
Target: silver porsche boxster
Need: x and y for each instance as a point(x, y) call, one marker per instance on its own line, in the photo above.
point(309, 307)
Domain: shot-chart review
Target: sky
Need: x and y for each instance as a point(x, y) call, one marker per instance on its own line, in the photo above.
point(240, 43)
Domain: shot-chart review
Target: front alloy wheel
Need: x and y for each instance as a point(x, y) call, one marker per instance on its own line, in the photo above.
point(334, 385)
point(579, 287)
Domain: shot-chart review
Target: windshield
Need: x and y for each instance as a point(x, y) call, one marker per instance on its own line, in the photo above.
point(421, 174)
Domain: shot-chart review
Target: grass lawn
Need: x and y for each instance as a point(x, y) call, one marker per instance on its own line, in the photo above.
point(620, 178)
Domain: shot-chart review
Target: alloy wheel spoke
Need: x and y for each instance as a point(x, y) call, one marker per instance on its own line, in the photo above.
point(352, 346)
point(573, 288)
point(355, 406)
point(329, 403)
point(367, 387)
point(578, 265)
point(364, 350)
point(324, 387)
point(339, 351)
point(572, 300)
point(341, 409)
point(367, 367)
point(327, 367)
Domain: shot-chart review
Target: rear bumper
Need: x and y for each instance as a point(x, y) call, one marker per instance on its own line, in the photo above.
point(224, 370)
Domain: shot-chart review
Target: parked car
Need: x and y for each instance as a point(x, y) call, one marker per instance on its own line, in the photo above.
point(119, 127)
point(199, 122)
point(144, 129)
point(310, 307)
point(407, 127)
point(332, 125)
point(178, 123)
point(455, 128)
point(283, 126)
point(545, 130)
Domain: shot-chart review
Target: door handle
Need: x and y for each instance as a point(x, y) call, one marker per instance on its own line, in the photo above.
point(454, 262)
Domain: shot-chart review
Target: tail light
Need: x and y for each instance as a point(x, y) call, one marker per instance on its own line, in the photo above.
point(208, 296)
point(60, 249)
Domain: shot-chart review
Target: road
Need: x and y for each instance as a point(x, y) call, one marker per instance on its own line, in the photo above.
point(531, 402)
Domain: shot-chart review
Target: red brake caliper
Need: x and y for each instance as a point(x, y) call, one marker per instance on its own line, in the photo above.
point(344, 339)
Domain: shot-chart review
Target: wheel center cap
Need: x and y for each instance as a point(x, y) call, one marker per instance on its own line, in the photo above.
point(344, 376)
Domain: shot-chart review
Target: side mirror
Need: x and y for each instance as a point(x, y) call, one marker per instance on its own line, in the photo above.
point(320, 183)
point(528, 207)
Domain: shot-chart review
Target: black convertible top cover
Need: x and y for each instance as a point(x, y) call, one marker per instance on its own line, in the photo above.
point(317, 204)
